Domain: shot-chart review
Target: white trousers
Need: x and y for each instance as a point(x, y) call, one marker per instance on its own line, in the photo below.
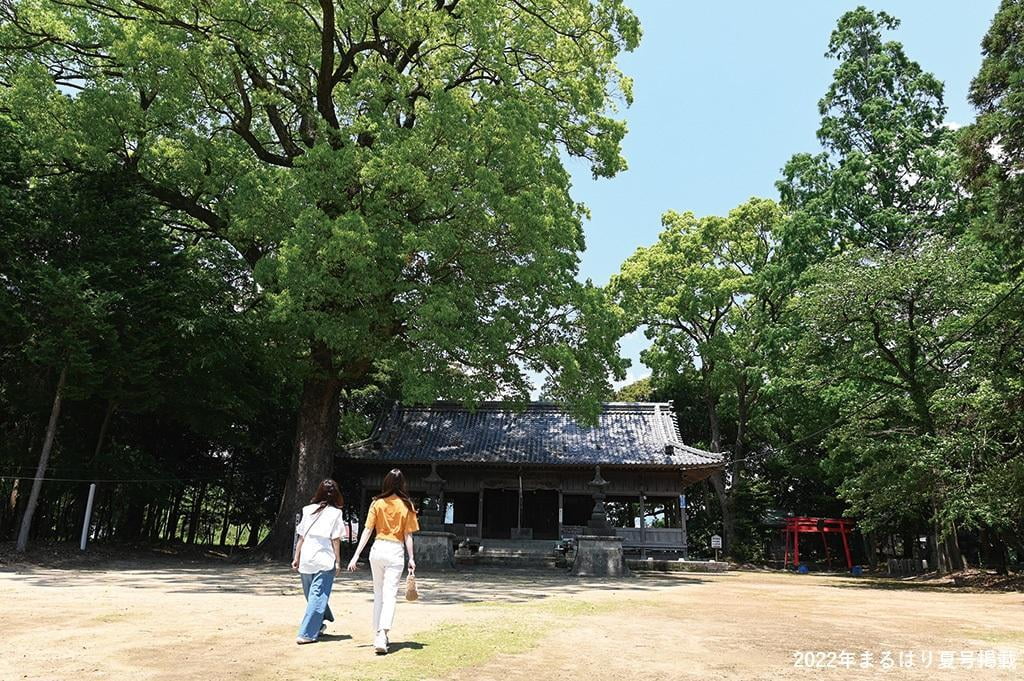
point(387, 562)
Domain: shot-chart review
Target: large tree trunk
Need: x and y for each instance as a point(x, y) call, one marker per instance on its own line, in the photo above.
point(44, 460)
point(955, 553)
point(313, 451)
point(728, 507)
point(714, 426)
point(718, 481)
point(254, 533)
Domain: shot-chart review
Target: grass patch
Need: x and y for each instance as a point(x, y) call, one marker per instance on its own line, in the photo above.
point(563, 607)
point(502, 628)
point(996, 636)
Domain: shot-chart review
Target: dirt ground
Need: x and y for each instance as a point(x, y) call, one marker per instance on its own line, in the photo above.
point(147, 620)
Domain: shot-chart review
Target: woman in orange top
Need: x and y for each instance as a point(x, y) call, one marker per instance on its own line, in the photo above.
point(393, 517)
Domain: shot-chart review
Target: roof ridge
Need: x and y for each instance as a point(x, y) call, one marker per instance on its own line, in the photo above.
point(640, 433)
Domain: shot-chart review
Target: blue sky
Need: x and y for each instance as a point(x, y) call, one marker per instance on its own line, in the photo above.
point(725, 92)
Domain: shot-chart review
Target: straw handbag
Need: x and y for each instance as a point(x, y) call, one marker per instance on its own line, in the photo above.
point(411, 594)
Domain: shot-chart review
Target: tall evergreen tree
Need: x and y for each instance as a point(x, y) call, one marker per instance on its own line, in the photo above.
point(994, 144)
point(887, 174)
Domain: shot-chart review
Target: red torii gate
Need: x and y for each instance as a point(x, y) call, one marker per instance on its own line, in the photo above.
point(798, 525)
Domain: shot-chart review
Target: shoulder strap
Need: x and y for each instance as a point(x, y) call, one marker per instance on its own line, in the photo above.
point(315, 519)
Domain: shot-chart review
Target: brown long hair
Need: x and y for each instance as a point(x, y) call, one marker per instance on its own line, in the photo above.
point(394, 484)
point(328, 494)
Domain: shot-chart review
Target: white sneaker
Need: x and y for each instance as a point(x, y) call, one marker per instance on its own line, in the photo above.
point(380, 643)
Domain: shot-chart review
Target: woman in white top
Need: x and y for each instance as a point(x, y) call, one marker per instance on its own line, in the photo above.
point(318, 557)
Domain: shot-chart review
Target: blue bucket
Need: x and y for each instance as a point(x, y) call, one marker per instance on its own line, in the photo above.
point(856, 571)
point(803, 569)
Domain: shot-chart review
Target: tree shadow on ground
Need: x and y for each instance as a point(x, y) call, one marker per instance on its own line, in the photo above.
point(521, 586)
point(891, 584)
point(469, 585)
point(395, 646)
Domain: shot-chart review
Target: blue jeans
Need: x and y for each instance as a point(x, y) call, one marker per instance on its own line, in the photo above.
point(317, 588)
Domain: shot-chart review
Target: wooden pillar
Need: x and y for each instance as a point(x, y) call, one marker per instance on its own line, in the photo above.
point(824, 543)
point(560, 508)
point(480, 514)
point(846, 546)
point(519, 516)
point(796, 546)
point(643, 527)
point(785, 542)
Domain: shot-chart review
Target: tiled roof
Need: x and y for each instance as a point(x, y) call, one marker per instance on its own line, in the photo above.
point(627, 433)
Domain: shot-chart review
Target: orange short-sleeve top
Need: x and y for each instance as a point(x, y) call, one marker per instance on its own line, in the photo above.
point(392, 519)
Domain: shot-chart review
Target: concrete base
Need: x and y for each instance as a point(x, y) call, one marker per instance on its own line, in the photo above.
point(434, 550)
point(599, 556)
point(676, 565)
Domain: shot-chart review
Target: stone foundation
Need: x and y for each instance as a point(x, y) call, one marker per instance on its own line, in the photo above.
point(434, 550)
point(676, 565)
point(599, 556)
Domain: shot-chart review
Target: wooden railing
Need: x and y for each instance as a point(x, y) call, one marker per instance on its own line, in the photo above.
point(463, 530)
point(653, 537)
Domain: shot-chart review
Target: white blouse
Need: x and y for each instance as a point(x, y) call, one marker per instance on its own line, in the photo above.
point(317, 530)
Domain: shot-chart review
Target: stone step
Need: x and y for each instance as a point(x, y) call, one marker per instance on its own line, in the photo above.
point(514, 552)
point(496, 561)
point(514, 557)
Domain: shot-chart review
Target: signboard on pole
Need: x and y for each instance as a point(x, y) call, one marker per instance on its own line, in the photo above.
point(716, 544)
point(682, 525)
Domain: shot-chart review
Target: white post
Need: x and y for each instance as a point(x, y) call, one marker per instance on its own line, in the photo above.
point(88, 517)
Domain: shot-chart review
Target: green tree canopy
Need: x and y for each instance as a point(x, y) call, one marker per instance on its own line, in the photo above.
point(994, 144)
point(155, 337)
point(886, 175)
point(392, 172)
point(705, 293)
point(884, 333)
point(894, 286)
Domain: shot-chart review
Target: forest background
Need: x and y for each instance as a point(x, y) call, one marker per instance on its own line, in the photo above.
point(233, 233)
